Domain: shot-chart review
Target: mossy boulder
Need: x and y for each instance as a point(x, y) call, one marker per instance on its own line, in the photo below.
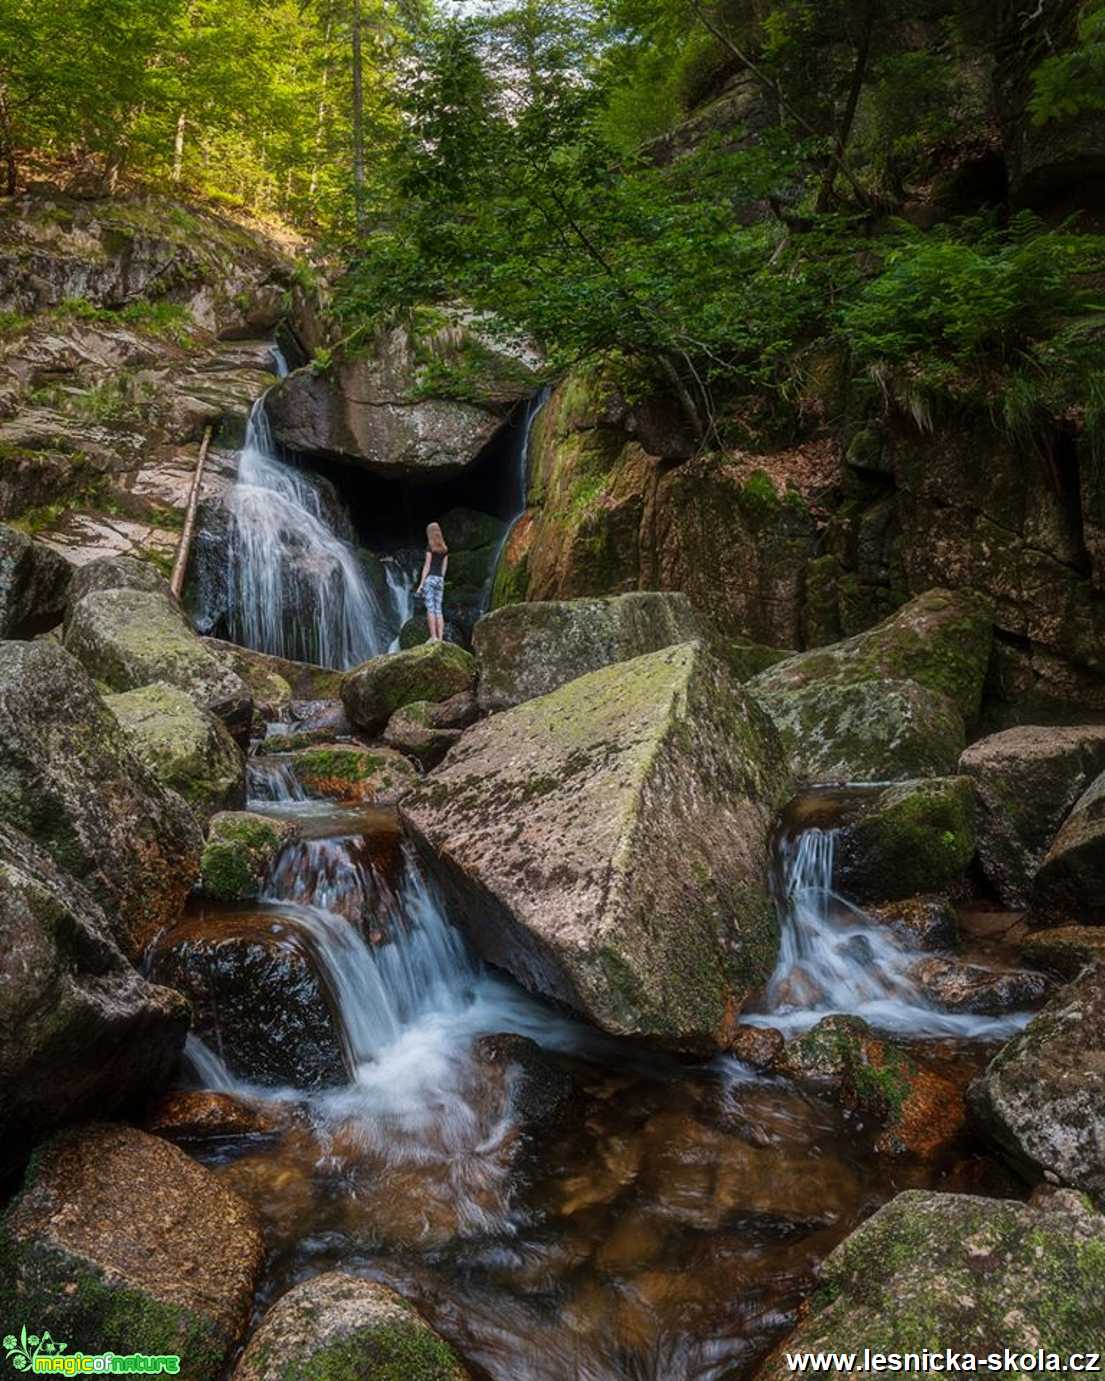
point(119, 1242)
point(607, 843)
point(911, 838)
point(372, 692)
point(69, 781)
point(940, 640)
point(257, 995)
point(414, 730)
point(130, 638)
point(117, 573)
point(34, 584)
point(185, 748)
point(1042, 1097)
point(746, 659)
point(271, 677)
point(416, 631)
point(527, 650)
point(1070, 884)
point(1066, 950)
point(81, 1031)
point(345, 772)
point(240, 850)
point(1026, 782)
point(955, 1272)
point(336, 1325)
point(876, 731)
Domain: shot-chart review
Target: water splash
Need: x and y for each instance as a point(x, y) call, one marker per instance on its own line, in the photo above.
point(835, 958)
point(521, 484)
point(270, 780)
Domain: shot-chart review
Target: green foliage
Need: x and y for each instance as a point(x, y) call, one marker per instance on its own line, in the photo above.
point(1069, 82)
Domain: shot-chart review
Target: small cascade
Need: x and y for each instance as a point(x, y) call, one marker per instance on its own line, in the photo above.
point(272, 780)
point(520, 469)
point(835, 958)
point(296, 586)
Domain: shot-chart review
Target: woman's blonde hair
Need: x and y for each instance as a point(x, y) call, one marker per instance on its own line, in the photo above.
point(435, 539)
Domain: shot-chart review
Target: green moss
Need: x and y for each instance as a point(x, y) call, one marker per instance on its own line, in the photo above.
point(389, 1352)
point(239, 849)
point(918, 838)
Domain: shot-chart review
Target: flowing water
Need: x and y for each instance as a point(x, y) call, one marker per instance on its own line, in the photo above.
point(520, 479)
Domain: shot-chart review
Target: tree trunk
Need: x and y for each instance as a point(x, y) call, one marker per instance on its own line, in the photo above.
point(320, 122)
point(7, 146)
point(358, 121)
point(178, 148)
point(847, 120)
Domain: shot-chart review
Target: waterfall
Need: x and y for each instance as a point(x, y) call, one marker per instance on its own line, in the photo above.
point(836, 958)
point(520, 469)
point(272, 779)
point(296, 586)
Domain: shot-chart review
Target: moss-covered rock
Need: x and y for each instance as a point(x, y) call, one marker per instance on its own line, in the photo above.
point(1026, 781)
point(275, 680)
point(1066, 950)
point(1042, 1097)
point(372, 692)
point(129, 638)
point(1070, 883)
point(69, 780)
point(81, 1032)
point(954, 1272)
point(877, 731)
point(345, 772)
point(607, 843)
point(911, 838)
point(416, 631)
point(940, 640)
point(119, 1242)
point(924, 922)
point(527, 650)
point(185, 748)
point(336, 1326)
point(257, 996)
point(34, 585)
point(241, 848)
point(116, 573)
point(746, 659)
point(413, 731)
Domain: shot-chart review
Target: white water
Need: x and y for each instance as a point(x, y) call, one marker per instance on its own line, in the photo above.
point(834, 958)
point(295, 585)
point(521, 481)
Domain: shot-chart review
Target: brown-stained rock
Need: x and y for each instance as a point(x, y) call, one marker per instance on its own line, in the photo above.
point(200, 1114)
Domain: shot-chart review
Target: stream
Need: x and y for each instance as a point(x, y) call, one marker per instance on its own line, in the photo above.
point(661, 1217)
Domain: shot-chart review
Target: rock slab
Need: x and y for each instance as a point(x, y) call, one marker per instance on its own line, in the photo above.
point(1070, 885)
point(607, 843)
point(373, 691)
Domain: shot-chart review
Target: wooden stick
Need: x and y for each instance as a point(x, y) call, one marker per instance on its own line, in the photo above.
point(180, 566)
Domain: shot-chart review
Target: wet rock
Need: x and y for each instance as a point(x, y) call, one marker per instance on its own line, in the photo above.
point(912, 838)
point(416, 631)
point(541, 1087)
point(256, 996)
point(337, 1325)
point(372, 692)
point(201, 1115)
point(953, 1271)
point(185, 748)
point(130, 638)
point(759, 1047)
point(940, 640)
point(120, 1242)
point(342, 772)
point(240, 851)
point(69, 781)
point(921, 922)
point(81, 1032)
point(34, 582)
point(1042, 1097)
point(1066, 950)
point(410, 732)
point(458, 712)
point(959, 987)
point(876, 731)
point(526, 650)
point(265, 676)
point(607, 843)
point(1070, 884)
point(1026, 781)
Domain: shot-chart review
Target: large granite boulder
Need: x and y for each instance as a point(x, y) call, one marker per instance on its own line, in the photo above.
point(70, 782)
point(378, 407)
point(81, 1031)
point(954, 1272)
point(940, 640)
point(876, 731)
point(911, 838)
point(34, 582)
point(119, 1242)
point(117, 573)
point(607, 843)
point(526, 650)
point(257, 995)
point(1070, 883)
point(336, 1325)
point(1026, 781)
point(348, 772)
point(1042, 1097)
point(128, 638)
point(185, 747)
point(433, 672)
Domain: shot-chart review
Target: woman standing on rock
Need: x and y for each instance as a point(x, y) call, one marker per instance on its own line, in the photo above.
point(432, 584)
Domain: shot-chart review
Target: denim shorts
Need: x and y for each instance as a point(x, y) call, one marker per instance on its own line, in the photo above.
point(432, 592)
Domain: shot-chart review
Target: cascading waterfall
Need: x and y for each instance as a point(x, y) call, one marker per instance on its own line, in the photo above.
point(835, 958)
point(520, 470)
